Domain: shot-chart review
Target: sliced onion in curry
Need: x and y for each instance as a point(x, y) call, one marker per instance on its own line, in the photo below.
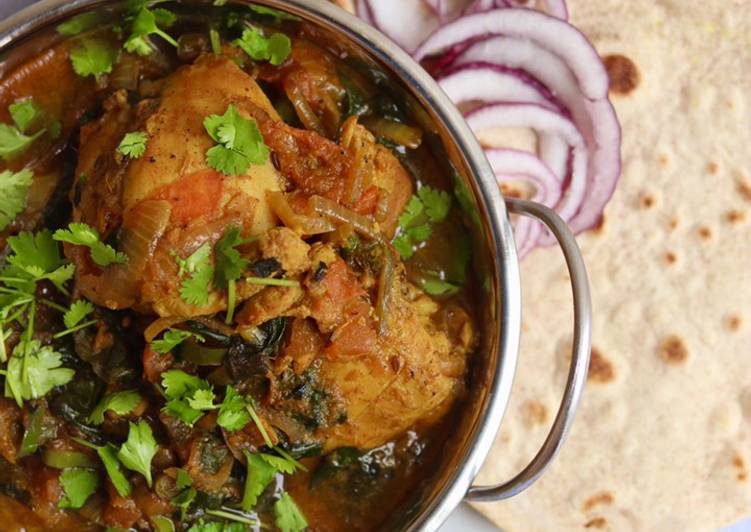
point(143, 225)
point(306, 225)
point(334, 211)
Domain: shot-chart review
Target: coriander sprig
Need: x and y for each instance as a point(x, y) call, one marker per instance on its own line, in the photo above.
point(230, 266)
point(93, 57)
point(146, 23)
point(428, 207)
point(274, 49)
point(195, 289)
point(15, 187)
point(239, 142)
point(133, 145)
point(81, 234)
point(172, 338)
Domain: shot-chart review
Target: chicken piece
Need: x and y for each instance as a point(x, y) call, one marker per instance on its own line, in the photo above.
point(169, 201)
point(287, 247)
point(413, 376)
point(379, 184)
point(384, 382)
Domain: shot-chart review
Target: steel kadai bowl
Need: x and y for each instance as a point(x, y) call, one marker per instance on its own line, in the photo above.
point(494, 259)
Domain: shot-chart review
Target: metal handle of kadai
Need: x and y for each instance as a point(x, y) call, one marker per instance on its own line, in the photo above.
point(577, 375)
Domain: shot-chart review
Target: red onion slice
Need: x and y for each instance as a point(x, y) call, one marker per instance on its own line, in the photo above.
point(488, 83)
point(555, 8)
point(606, 165)
point(556, 154)
point(551, 33)
point(362, 10)
point(515, 166)
point(445, 9)
point(596, 120)
point(478, 6)
point(541, 120)
point(491, 84)
point(406, 23)
point(516, 162)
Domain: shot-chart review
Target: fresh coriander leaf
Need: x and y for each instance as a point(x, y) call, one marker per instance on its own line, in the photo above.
point(438, 287)
point(289, 518)
point(211, 526)
point(78, 311)
point(78, 24)
point(82, 234)
point(194, 261)
point(233, 415)
point(415, 223)
point(172, 338)
point(275, 49)
point(466, 202)
point(279, 48)
point(259, 476)
point(78, 484)
point(279, 463)
point(419, 233)
point(403, 244)
point(37, 254)
point(145, 24)
point(195, 290)
point(93, 57)
point(220, 3)
point(121, 403)
point(229, 266)
point(240, 142)
point(61, 276)
point(133, 144)
point(180, 409)
point(227, 161)
point(15, 187)
point(202, 400)
point(412, 212)
point(184, 500)
point(284, 454)
point(13, 142)
point(108, 456)
point(33, 370)
point(183, 479)
point(24, 113)
point(138, 450)
point(240, 522)
point(164, 17)
point(177, 384)
point(437, 203)
point(278, 15)
point(188, 395)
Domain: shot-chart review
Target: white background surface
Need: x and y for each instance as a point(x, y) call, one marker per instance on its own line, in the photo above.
point(464, 519)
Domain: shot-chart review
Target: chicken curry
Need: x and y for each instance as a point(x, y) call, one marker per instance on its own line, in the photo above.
point(234, 284)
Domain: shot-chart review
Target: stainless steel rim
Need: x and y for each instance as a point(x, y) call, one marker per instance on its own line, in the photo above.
point(507, 282)
point(577, 375)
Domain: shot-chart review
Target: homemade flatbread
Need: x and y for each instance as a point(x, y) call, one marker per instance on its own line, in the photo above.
point(663, 438)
